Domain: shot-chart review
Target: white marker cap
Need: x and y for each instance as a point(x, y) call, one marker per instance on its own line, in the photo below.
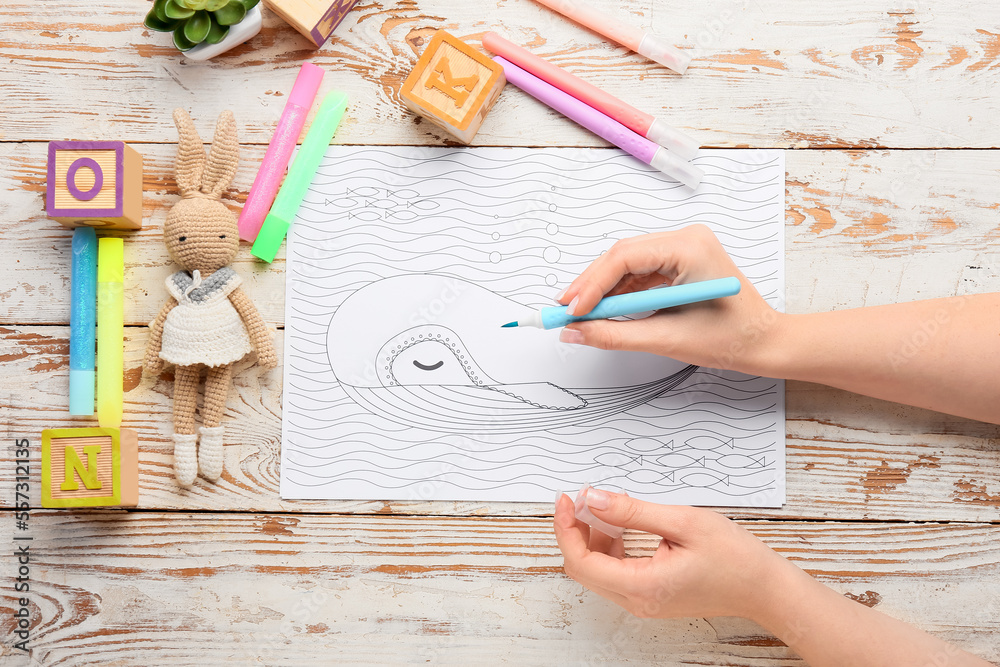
point(669, 137)
point(584, 514)
point(656, 48)
point(676, 168)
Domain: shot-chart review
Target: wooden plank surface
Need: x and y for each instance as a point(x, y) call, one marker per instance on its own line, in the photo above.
point(842, 73)
point(293, 589)
point(862, 228)
point(849, 457)
point(895, 506)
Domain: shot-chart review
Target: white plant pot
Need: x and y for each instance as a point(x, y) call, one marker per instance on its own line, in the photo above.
point(239, 33)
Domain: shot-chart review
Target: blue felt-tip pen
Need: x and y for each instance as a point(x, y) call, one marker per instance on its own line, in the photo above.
point(634, 302)
point(82, 321)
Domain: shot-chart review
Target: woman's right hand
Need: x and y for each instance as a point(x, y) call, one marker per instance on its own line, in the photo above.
point(728, 333)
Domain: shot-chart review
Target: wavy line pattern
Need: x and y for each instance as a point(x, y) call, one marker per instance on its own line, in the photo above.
point(521, 223)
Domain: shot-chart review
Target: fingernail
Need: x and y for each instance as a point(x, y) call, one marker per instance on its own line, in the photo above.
point(559, 494)
point(559, 297)
point(571, 336)
point(571, 308)
point(598, 500)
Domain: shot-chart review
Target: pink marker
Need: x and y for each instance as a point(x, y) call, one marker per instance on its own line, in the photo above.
point(652, 46)
point(640, 122)
point(268, 180)
point(606, 128)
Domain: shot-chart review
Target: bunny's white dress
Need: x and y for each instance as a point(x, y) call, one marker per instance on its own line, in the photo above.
point(204, 327)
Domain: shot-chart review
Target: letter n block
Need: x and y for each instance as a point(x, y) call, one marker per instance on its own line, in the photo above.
point(453, 85)
point(90, 467)
point(315, 19)
point(94, 184)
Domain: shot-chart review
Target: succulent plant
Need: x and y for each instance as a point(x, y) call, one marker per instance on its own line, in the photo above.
point(197, 21)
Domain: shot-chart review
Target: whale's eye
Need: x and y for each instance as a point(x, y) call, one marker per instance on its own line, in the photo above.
point(428, 362)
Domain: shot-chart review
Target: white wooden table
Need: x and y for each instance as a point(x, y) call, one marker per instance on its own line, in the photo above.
point(892, 191)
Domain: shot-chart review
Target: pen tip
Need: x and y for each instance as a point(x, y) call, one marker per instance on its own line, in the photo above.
point(509, 324)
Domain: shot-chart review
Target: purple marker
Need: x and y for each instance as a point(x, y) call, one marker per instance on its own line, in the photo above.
point(603, 126)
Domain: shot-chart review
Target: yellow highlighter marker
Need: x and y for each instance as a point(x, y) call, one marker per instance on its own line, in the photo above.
point(110, 332)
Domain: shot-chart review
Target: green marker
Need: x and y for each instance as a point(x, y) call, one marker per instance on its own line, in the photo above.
point(300, 175)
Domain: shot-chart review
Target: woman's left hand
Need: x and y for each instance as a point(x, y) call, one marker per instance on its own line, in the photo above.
point(705, 564)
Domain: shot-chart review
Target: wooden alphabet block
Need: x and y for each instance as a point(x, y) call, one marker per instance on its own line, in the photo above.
point(315, 19)
point(94, 184)
point(453, 85)
point(90, 467)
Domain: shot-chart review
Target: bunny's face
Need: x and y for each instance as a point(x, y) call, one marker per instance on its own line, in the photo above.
point(201, 234)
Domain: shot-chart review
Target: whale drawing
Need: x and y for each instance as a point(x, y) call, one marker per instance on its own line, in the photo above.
point(427, 350)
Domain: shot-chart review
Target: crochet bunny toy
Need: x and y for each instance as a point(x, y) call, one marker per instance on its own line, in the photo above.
point(208, 322)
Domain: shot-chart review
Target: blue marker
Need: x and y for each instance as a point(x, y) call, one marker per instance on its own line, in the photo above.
point(634, 302)
point(83, 322)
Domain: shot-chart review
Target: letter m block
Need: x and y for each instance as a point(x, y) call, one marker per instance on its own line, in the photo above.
point(453, 85)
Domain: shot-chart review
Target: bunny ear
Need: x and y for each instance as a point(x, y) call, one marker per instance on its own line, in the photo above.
point(223, 158)
point(190, 154)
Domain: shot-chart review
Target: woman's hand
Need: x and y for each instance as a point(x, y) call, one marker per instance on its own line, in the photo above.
point(705, 564)
point(728, 333)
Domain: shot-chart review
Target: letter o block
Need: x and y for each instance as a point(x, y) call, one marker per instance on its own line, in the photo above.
point(90, 467)
point(94, 184)
point(453, 85)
